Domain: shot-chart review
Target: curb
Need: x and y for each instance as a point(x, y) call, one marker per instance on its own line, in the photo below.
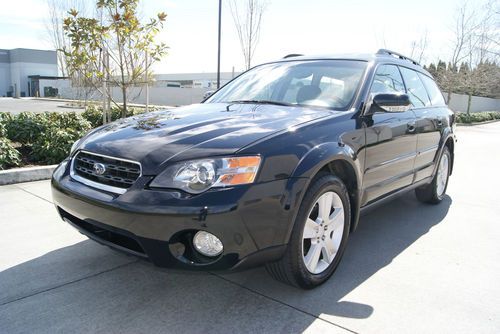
point(26, 174)
point(478, 123)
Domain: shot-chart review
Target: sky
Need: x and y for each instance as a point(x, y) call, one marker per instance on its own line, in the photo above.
point(289, 26)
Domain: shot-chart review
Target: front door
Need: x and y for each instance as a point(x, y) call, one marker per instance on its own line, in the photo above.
point(391, 141)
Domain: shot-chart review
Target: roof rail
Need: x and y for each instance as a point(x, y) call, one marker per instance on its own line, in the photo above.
point(291, 55)
point(395, 54)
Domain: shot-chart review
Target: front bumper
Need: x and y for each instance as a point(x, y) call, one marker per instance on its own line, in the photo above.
point(252, 221)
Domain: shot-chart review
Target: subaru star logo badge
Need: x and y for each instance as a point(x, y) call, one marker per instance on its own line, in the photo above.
point(99, 168)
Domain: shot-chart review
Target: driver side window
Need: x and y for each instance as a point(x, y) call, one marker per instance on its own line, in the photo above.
point(387, 80)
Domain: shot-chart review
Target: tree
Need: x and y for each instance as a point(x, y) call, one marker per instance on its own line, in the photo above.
point(117, 47)
point(418, 48)
point(57, 11)
point(465, 24)
point(247, 21)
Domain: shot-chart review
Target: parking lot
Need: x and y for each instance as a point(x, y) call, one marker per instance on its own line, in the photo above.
point(409, 268)
point(16, 106)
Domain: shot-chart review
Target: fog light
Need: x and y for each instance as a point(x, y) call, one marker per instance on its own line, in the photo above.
point(207, 243)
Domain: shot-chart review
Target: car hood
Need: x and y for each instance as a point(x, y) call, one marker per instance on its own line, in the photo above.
point(194, 131)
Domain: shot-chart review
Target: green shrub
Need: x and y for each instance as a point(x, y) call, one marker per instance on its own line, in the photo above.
point(25, 127)
point(93, 114)
point(477, 117)
point(9, 156)
point(5, 119)
point(61, 131)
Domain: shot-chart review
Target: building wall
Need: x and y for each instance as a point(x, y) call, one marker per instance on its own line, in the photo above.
point(171, 96)
point(4, 79)
point(17, 64)
point(19, 73)
point(458, 102)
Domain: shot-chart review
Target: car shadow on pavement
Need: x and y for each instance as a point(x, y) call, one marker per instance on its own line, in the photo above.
point(90, 287)
point(382, 234)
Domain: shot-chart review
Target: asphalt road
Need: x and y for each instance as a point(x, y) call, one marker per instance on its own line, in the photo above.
point(409, 268)
point(16, 106)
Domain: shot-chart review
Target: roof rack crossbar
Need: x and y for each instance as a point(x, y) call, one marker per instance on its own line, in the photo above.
point(396, 54)
point(293, 55)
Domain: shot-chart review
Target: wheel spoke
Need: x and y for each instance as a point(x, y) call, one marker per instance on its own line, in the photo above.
point(312, 257)
point(336, 219)
point(329, 250)
point(310, 229)
point(325, 205)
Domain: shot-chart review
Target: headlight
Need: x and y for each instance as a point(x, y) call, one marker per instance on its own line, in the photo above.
point(199, 175)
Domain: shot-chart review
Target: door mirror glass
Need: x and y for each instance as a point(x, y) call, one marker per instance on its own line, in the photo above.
point(390, 102)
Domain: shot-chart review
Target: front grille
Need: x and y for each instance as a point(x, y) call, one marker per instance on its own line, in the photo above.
point(118, 173)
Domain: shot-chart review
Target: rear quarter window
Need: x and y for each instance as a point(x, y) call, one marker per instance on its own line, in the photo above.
point(435, 94)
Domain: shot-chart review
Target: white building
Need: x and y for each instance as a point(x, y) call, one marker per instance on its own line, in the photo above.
point(193, 80)
point(20, 70)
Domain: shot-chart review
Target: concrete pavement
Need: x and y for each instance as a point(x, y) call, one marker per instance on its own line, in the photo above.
point(409, 268)
point(16, 106)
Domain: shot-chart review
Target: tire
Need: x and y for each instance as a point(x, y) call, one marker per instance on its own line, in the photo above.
point(434, 192)
point(297, 267)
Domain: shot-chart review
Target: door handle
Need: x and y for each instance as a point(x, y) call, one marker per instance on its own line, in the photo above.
point(439, 122)
point(411, 126)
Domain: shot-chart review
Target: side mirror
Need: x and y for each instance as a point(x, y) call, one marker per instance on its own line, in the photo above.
point(390, 102)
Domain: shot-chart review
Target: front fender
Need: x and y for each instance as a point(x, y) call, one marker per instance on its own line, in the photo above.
point(320, 155)
point(311, 163)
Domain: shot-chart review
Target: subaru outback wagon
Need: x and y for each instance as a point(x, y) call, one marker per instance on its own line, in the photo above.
point(274, 168)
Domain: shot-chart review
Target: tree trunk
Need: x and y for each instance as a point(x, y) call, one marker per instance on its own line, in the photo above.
point(449, 96)
point(469, 102)
point(124, 96)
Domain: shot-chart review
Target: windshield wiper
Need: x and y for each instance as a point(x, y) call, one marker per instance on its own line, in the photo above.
point(277, 103)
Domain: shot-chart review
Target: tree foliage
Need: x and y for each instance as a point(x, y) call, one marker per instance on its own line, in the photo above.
point(114, 47)
point(481, 80)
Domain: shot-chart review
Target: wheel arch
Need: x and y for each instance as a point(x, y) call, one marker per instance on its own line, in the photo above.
point(336, 159)
point(448, 140)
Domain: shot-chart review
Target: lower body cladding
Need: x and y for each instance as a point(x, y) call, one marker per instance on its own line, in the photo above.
point(252, 222)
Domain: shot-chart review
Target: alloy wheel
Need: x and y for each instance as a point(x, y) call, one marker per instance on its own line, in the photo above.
point(442, 175)
point(323, 232)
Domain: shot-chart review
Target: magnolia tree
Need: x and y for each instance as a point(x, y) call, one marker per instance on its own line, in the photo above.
point(114, 48)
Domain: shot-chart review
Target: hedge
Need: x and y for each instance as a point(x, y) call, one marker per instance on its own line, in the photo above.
point(47, 136)
point(477, 117)
point(94, 114)
point(9, 156)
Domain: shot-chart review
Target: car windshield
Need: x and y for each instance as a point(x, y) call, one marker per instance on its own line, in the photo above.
point(320, 83)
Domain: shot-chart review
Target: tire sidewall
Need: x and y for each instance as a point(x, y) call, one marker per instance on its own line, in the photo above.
point(318, 188)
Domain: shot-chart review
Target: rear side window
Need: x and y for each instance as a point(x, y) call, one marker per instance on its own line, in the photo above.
point(387, 80)
point(435, 94)
point(415, 88)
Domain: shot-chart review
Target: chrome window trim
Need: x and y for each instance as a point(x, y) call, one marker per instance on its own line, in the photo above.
point(98, 185)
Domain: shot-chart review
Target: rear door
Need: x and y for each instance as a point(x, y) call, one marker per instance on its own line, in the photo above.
point(391, 142)
point(427, 103)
